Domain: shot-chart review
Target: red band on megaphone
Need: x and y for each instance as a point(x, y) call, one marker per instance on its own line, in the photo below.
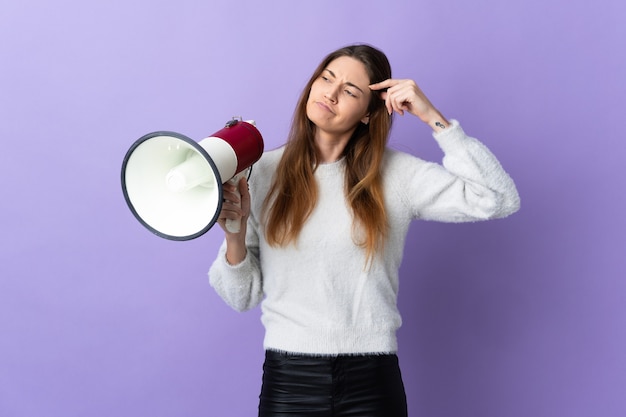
point(246, 141)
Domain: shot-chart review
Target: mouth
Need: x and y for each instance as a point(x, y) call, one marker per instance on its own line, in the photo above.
point(324, 106)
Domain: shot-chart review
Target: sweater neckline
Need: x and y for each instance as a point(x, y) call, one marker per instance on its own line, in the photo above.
point(331, 168)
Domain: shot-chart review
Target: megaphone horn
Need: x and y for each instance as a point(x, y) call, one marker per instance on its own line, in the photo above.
point(174, 185)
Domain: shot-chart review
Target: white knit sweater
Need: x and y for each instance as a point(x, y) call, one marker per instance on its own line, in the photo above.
point(317, 296)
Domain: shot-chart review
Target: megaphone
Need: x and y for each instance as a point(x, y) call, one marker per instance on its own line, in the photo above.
point(174, 185)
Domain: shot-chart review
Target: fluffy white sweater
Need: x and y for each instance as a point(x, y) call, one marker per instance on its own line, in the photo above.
point(317, 296)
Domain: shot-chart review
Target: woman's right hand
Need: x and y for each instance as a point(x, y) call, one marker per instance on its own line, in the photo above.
point(406, 96)
point(237, 208)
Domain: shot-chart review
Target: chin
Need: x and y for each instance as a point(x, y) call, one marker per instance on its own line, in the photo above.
point(314, 118)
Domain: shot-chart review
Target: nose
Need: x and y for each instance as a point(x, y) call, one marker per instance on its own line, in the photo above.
point(331, 94)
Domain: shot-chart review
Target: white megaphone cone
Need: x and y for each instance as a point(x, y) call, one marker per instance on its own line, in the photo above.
point(173, 185)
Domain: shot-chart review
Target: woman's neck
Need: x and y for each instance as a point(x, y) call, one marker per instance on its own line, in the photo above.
point(331, 146)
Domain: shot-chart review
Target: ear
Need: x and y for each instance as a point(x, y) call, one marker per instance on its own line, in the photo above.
point(366, 119)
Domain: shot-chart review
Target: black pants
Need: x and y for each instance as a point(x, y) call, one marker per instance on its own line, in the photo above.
point(346, 385)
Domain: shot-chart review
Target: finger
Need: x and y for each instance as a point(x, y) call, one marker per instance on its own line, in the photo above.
point(389, 104)
point(230, 217)
point(382, 89)
point(231, 196)
point(383, 84)
point(396, 102)
point(229, 189)
point(230, 211)
point(390, 101)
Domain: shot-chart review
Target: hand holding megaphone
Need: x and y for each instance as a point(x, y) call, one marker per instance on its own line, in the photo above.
point(174, 185)
point(236, 206)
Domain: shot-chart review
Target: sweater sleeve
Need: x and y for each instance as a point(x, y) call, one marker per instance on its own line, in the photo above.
point(241, 285)
point(471, 185)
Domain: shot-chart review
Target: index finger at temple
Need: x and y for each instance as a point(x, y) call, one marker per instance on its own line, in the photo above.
point(383, 84)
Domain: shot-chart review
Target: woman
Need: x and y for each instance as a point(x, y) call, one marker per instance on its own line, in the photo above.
point(323, 230)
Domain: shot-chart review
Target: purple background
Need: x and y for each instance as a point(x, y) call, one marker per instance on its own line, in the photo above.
point(518, 317)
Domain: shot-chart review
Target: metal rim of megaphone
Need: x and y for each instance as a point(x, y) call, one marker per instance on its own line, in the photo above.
point(198, 148)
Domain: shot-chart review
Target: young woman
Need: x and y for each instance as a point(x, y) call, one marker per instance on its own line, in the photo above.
point(323, 230)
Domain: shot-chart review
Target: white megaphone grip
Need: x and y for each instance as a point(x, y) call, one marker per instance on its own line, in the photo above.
point(234, 225)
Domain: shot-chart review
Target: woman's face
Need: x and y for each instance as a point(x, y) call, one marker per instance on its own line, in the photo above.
point(339, 97)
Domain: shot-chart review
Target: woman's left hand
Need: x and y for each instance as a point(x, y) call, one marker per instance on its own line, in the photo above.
point(405, 95)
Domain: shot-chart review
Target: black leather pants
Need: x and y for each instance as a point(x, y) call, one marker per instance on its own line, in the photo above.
point(346, 385)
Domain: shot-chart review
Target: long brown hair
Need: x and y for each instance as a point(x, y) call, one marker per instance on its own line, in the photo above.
point(293, 193)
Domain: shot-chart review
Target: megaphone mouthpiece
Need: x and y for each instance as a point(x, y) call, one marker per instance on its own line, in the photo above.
point(191, 173)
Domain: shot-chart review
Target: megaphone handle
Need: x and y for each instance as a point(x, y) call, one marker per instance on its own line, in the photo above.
point(234, 226)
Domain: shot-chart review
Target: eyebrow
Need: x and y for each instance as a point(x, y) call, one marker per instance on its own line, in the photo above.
point(347, 83)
